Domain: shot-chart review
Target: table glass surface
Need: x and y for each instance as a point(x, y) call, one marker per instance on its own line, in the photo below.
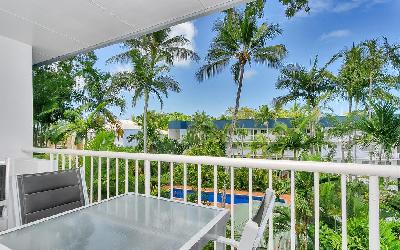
point(127, 222)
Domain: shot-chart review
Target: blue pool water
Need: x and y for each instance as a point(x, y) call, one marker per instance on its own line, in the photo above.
point(209, 196)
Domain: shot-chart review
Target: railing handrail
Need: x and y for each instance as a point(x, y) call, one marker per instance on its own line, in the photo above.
point(308, 166)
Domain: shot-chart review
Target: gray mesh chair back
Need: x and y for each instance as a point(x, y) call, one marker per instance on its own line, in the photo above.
point(4, 190)
point(2, 187)
point(263, 214)
point(2, 181)
point(46, 194)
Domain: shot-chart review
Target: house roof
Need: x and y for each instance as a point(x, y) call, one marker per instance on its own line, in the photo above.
point(57, 29)
point(128, 124)
point(251, 123)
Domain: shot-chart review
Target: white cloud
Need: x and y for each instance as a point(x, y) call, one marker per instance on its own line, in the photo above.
point(335, 34)
point(347, 6)
point(249, 74)
point(318, 6)
point(189, 31)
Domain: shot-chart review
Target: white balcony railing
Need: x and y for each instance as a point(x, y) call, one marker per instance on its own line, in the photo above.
point(79, 158)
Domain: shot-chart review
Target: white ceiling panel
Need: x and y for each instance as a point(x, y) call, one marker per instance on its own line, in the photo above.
point(220, 5)
point(59, 28)
point(150, 13)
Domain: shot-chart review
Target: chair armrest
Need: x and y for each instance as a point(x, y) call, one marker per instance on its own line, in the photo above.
point(227, 241)
point(249, 235)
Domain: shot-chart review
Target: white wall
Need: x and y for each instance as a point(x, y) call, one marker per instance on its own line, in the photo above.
point(15, 97)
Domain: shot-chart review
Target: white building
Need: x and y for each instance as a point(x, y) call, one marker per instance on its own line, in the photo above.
point(178, 129)
point(129, 128)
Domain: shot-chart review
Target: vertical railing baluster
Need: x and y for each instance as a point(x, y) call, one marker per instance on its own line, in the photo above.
point(57, 160)
point(271, 219)
point(76, 161)
point(185, 182)
point(91, 179)
point(147, 177)
point(373, 211)
point(63, 161)
point(215, 185)
point(69, 161)
point(292, 211)
point(250, 193)
point(158, 179)
point(316, 210)
point(116, 175)
point(343, 189)
point(126, 176)
point(51, 159)
point(232, 181)
point(199, 183)
point(99, 181)
point(171, 180)
point(136, 177)
point(108, 177)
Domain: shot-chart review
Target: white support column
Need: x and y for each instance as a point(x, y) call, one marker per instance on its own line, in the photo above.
point(374, 243)
point(147, 176)
point(316, 210)
point(16, 107)
point(292, 211)
point(343, 188)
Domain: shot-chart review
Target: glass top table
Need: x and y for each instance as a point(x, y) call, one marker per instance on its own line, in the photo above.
point(125, 222)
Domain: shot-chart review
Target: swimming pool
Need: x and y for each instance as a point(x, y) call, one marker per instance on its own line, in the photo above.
point(209, 196)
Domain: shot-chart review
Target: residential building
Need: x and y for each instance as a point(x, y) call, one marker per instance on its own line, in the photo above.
point(129, 129)
point(178, 129)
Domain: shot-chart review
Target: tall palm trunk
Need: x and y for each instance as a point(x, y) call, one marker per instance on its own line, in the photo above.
point(350, 136)
point(236, 110)
point(146, 105)
point(369, 96)
point(233, 126)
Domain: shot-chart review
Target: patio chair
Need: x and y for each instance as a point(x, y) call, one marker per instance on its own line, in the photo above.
point(45, 194)
point(254, 229)
point(4, 169)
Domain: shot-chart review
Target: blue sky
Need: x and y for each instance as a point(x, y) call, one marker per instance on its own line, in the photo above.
point(330, 27)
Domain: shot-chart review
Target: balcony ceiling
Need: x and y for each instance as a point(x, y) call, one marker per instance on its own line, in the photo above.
point(59, 28)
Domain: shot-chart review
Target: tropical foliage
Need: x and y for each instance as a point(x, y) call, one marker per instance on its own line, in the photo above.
point(151, 57)
point(73, 98)
point(241, 41)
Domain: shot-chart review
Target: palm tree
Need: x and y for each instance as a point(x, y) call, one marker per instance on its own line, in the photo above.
point(309, 85)
point(263, 115)
point(292, 138)
point(393, 52)
point(240, 41)
point(349, 81)
point(377, 63)
point(151, 57)
point(366, 73)
point(312, 85)
point(145, 80)
point(242, 133)
point(101, 95)
point(382, 128)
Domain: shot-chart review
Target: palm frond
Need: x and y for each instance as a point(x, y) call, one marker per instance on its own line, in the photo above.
point(272, 55)
point(211, 69)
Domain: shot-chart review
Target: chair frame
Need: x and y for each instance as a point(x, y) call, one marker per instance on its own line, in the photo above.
point(17, 205)
point(253, 233)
